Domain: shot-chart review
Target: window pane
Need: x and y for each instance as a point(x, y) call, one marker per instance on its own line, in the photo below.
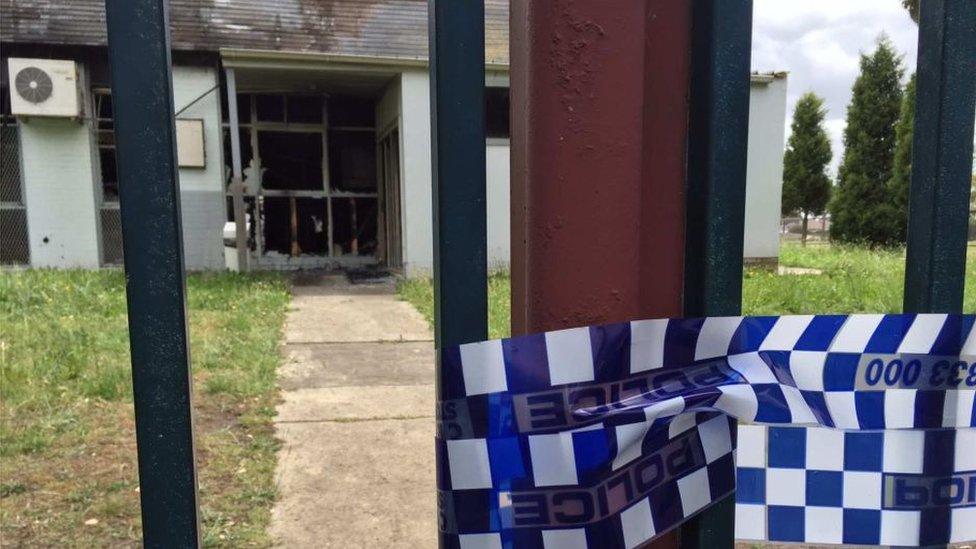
point(305, 109)
point(351, 111)
point(106, 137)
point(243, 108)
point(4, 101)
point(270, 108)
point(291, 160)
point(104, 106)
point(352, 160)
point(110, 185)
point(354, 226)
point(496, 112)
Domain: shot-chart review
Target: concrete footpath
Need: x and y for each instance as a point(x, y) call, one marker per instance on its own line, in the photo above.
point(356, 468)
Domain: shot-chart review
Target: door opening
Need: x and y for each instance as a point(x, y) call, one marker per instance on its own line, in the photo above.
point(310, 173)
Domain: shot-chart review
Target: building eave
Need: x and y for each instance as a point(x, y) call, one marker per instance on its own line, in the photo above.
point(257, 58)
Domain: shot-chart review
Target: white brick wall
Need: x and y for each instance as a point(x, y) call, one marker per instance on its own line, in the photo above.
point(201, 190)
point(59, 193)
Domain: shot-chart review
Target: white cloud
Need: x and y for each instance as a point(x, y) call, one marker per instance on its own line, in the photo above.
point(819, 44)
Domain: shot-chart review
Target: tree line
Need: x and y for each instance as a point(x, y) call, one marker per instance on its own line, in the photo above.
point(869, 202)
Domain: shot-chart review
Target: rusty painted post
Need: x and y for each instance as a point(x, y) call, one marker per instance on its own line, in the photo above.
point(599, 127)
point(598, 182)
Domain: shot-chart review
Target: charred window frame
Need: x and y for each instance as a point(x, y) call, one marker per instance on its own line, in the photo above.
point(348, 184)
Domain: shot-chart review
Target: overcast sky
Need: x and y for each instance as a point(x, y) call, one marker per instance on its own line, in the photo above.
point(818, 43)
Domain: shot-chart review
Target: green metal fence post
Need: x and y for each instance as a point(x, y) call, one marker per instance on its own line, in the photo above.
point(142, 88)
point(942, 156)
point(715, 213)
point(457, 87)
point(457, 91)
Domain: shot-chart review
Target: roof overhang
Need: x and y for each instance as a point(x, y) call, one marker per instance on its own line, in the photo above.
point(264, 59)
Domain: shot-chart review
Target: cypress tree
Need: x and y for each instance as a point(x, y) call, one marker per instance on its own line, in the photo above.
point(912, 7)
point(863, 209)
point(806, 187)
point(902, 170)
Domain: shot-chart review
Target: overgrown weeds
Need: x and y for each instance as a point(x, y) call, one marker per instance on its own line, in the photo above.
point(67, 445)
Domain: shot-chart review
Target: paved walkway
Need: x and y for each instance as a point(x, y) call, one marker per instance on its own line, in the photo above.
point(356, 468)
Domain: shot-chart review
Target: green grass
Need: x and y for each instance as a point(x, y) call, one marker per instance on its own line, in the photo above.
point(67, 433)
point(853, 280)
point(419, 293)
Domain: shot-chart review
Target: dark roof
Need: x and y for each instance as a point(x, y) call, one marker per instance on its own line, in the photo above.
point(374, 28)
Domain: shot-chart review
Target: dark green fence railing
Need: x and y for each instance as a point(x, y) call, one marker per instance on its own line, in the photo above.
point(456, 33)
point(942, 160)
point(721, 40)
point(149, 197)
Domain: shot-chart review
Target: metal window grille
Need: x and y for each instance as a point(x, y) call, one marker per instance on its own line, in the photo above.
point(111, 221)
point(109, 217)
point(14, 245)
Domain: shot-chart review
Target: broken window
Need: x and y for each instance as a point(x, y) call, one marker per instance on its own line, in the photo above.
point(303, 109)
point(354, 226)
point(292, 144)
point(351, 112)
point(291, 160)
point(295, 225)
point(243, 108)
point(352, 160)
point(270, 108)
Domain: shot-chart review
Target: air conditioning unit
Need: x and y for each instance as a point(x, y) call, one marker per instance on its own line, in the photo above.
point(43, 87)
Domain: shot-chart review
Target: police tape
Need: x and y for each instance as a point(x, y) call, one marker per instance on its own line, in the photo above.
point(855, 429)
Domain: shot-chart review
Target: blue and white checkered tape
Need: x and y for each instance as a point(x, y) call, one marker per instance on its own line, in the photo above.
point(857, 429)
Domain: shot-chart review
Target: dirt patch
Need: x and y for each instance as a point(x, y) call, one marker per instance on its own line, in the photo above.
point(85, 490)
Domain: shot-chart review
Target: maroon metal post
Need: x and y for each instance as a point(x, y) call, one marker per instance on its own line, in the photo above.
point(599, 94)
point(599, 127)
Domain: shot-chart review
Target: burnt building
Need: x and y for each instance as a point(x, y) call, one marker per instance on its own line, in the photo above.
point(329, 101)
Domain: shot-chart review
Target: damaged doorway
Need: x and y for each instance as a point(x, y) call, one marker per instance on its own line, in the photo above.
point(388, 164)
point(310, 173)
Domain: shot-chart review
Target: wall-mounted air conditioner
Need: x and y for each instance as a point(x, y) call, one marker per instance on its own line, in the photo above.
point(43, 87)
